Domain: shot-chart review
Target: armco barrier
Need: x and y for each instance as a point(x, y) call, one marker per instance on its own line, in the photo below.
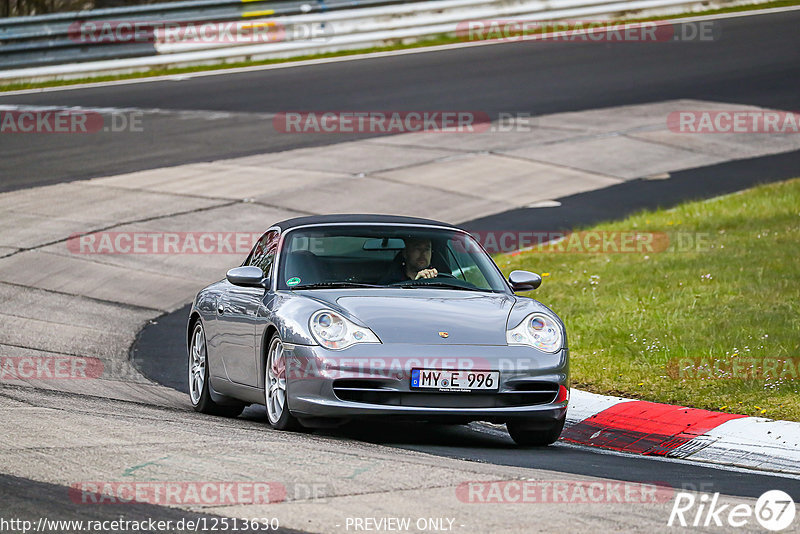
point(50, 39)
point(53, 53)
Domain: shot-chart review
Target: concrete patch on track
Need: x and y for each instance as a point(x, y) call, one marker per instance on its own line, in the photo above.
point(350, 158)
point(496, 177)
point(241, 220)
point(96, 280)
point(34, 217)
point(509, 133)
point(729, 146)
point(618, 156)
point(228, 179)
point(636, 141)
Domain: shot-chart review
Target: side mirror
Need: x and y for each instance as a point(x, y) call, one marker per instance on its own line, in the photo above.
point(247, 276)
point(524, 280)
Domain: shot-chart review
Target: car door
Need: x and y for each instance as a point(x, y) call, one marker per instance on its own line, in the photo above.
point(237, 309)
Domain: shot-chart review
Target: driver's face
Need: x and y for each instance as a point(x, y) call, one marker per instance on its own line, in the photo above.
point(418, 254)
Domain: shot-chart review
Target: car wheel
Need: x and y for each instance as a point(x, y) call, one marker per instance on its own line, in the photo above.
point(527, 435)
point(276, 394)
point(198, 378)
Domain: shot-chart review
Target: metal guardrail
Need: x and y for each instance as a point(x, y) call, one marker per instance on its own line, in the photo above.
point(345, 25)
point(53, 39)
point(377, 26)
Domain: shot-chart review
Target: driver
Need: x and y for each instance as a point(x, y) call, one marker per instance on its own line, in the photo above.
point(416, 262)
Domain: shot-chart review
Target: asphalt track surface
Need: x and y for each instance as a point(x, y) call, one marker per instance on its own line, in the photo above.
point(753, 60)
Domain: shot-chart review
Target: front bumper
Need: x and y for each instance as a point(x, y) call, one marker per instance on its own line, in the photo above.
point(374, 380)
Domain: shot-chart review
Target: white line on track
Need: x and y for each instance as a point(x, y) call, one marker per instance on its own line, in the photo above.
point(356, 57)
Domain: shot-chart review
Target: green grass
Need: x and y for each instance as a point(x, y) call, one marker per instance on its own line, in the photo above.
point(400, 45)
point(737, 297)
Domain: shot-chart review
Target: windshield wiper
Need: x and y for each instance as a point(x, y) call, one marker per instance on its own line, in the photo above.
point(322, 285)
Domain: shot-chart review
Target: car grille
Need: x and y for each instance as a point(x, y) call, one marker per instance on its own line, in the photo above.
point(377, 392)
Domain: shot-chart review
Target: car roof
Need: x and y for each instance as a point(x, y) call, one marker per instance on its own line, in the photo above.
point(358, 218)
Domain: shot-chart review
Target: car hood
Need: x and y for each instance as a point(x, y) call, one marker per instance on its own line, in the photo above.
point(419, 315)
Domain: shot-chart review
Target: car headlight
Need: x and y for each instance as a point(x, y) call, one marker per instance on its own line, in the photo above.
point(333, 331)
point(538, 330)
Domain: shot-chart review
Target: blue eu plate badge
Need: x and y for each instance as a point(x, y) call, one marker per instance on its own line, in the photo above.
point(414, 378)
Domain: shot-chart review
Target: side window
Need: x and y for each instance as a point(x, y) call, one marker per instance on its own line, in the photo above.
point(263, 254)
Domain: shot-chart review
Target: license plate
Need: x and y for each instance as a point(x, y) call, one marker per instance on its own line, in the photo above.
point(446, 380)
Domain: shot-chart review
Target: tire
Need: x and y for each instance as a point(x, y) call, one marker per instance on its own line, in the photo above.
point(199, 393)
point(525, 434)
point(276, 388)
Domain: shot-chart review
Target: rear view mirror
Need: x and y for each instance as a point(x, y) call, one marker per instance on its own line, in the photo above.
point(387, 243)
point(524, 280)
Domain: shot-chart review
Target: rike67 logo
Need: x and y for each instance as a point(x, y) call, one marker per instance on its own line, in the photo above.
point(774, 511)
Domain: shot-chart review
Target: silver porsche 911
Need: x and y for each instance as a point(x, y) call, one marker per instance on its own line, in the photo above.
point(342, 317)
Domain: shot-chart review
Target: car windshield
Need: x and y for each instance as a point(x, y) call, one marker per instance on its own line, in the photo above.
point(385, 256)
